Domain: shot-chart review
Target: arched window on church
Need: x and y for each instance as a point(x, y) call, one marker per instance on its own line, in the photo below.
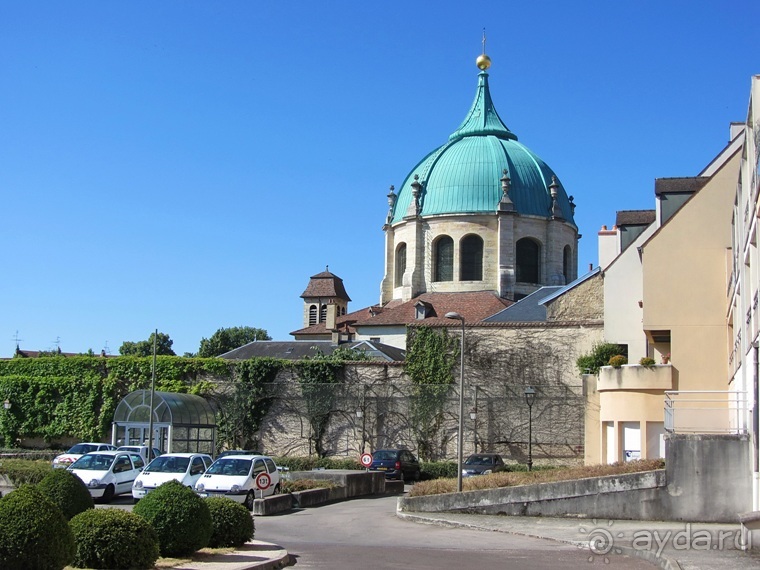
point(471, 258)
point(398, 278)
point(528, 261)
point(567, 264)
point(323, 313)
point(312, 315)
point(443, 259)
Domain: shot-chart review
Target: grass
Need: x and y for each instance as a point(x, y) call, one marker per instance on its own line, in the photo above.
point(516, 478)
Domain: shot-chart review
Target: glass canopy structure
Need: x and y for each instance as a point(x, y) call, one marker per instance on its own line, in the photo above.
point(181, 422)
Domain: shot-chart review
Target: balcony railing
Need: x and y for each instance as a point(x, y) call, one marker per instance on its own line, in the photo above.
point(706, 411)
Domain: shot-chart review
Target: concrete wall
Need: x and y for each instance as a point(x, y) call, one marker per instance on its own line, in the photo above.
point(706, 480)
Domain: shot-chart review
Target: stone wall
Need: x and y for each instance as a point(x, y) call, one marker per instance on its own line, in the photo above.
point(500, 361)
point(583, 303)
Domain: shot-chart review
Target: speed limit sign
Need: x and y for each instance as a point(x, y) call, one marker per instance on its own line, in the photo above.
point(366, 459)
point(263, 481)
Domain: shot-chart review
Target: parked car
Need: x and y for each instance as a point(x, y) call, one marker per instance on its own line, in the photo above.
point(234, 476)
point(142, 450)
point(238, 452)
point(184, 467)
point(396, 464)
point(108, 473)
point(483, 464)
point(65, 459)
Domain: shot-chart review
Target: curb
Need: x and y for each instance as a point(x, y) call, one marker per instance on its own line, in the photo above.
point(663, 562)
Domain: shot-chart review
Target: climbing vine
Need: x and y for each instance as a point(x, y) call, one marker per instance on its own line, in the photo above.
point(245, 403)
point(319, 379)
point(55, 397)
point(430, 359)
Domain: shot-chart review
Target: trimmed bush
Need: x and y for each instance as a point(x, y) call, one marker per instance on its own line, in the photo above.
point(34, 534)
point(113, 538)
point(309, 463)
point(231, 523)
point(646, 361)
point(618, 360)
point(437, 469)
point(67, 491)
point(21, 471)
point(181, 518)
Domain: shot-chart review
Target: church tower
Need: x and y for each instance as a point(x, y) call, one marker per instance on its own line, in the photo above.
point(479, 213)
point(324, 300)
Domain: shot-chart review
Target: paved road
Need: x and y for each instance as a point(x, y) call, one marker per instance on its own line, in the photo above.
point(365, 533)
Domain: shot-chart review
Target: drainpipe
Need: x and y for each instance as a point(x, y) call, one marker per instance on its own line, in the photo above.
point(755, 430)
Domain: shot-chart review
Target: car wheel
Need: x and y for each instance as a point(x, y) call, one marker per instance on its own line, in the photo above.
point(277, 489)
point(400, 475)
point(135, 500)
point(108, 494)
point(417, 475)
point(249, 501)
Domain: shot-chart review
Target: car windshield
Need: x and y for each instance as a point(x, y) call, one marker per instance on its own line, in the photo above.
point(230, 467)
point(82, 448)
point(479, 460)
point(384, 455)
point(93, 462)
point(165, 464)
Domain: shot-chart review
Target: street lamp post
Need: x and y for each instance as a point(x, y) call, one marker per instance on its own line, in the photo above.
point(530, 397)
point(474, 418)
point(460, 435)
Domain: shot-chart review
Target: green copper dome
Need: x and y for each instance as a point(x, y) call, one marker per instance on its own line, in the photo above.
point(464, 175)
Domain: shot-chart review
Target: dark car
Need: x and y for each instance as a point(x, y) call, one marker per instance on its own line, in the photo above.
point(482, 464)
point(396, 464)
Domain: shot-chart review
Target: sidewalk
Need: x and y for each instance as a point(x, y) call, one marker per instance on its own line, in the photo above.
point(253, 555)
point(668, 545)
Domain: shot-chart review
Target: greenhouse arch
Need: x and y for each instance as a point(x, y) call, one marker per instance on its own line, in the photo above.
point(181, 422)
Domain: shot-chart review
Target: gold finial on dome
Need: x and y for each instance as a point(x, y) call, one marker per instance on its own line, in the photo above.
point(483, 62)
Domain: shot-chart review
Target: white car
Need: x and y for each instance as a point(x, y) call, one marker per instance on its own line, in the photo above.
point(142, 450)
point(184, 467)
point(108, 473)
point(66, 459)
point(241, 478)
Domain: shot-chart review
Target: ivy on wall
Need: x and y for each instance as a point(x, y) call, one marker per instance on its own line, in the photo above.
point(430, 359)
point(246, 402)
point(55, 397)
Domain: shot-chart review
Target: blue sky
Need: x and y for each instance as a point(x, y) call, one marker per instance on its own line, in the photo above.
point(189, 165)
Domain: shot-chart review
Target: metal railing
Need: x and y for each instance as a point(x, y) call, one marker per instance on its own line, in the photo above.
point(706, 411)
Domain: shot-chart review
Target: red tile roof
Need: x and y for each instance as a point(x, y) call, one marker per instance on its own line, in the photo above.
point(474, 307)
point(325, 284)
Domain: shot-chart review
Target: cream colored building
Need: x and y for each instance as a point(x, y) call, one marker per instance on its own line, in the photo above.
point(664, 291)
point(743, 286)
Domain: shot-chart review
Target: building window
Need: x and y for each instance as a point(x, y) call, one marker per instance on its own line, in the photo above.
point(566, 264)
point(323, 313)
point(528, 255)
point(400, 265)
point(471, 256)
point(312, 315)
point(443, 257)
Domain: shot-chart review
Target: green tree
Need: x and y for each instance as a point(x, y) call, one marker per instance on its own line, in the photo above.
point(145, 347)
point(224, 340)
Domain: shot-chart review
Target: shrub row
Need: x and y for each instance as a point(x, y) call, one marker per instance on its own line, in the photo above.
point(53, 524)
point(21, 471)
point(309, 463)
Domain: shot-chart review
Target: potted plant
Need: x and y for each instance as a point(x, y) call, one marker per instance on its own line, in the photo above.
point(666, 358)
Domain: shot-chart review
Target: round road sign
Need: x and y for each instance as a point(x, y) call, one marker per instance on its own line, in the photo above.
point(366, 459)
point(263, 481)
